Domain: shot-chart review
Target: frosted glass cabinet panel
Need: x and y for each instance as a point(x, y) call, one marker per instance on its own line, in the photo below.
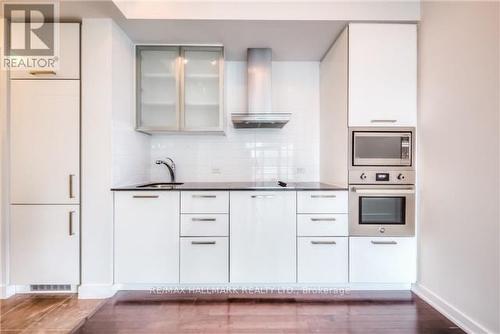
point(157, 88)
point(179, 89)
point(202, 88)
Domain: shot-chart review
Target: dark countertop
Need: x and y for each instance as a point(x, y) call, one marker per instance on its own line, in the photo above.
point(235, 186)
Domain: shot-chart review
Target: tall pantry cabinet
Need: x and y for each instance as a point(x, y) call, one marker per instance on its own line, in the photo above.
point(45, 169)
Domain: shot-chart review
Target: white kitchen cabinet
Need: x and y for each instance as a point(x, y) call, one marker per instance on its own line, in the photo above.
point(198, 225)
point(45, 141)
point(322, 260)
point(204, 260)
point(263, 237)
point(382, 74)
point(322, 201)
point(205, 201)
point(45, 243)
point(147, 237)
point(382, 259)
point(180, 89)
point(67, 64)
point(328, 225)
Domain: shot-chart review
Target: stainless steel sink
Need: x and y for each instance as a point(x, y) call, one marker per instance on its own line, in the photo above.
point(161, 185)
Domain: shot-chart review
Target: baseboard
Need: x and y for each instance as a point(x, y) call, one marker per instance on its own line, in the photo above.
point(96, 291)
point(7, 291)
point(466, 323)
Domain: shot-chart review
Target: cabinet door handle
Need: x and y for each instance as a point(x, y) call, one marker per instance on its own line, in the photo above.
point(204, 196)
point(384, 242)
point(42, 72)
point(145, 196)
point(384, 120)
point(203, 219)
point(262, 196)
point(323, 219)
point(323, 242)
point(70, 219)
point(71, 176)
point(323, 196)
point(202, 242)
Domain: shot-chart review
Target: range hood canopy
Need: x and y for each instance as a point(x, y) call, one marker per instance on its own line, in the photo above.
point(259, 85)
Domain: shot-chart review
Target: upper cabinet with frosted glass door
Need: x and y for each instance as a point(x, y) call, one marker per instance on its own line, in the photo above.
point(180, 89)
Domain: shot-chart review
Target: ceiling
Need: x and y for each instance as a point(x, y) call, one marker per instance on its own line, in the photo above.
point(290, 40)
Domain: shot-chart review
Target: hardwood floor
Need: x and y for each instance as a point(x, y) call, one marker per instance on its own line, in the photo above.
point(387, 312)
point(44, 313)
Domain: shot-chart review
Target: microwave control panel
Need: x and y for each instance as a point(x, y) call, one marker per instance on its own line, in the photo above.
point(381, 177)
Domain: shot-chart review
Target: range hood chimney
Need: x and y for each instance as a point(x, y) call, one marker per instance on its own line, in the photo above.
point(259, 86)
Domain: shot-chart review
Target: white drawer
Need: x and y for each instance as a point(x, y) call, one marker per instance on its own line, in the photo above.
point(327, 225)
point(382, 260)
point(322, 260)
point(201, 225)
point(322, 202)
point(69, 57)
point(204, 260)
point(204, 202)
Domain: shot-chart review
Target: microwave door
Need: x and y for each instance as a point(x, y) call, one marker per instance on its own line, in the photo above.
point(381, 149)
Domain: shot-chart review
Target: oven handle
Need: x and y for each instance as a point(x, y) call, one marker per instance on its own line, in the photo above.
point(386, 191)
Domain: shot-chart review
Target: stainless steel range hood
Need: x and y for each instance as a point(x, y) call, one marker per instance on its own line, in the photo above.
point(259, 86)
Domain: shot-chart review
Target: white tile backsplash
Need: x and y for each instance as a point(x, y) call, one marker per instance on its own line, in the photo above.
point(289, 154)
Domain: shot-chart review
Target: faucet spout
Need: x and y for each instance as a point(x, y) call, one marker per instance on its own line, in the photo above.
point(169, 163)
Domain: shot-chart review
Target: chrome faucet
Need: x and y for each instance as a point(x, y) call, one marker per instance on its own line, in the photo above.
point(170, 165)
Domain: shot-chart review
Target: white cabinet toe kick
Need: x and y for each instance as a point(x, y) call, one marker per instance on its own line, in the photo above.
point(251, 240)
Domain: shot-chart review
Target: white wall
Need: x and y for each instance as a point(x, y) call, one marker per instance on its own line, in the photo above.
point(290, 153)
point(459, 161)
point(131, 149)
point(107, 74)
point(4, 176)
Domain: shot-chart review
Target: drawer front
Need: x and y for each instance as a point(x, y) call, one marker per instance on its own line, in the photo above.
point(322, 202)
point(382, 260)
point(322, 260)
point(201, 225)
point(204, 260)
point(204, 202)
point(69, 57)
point(328, 225)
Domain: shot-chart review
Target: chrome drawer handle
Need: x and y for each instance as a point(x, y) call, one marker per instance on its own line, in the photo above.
point(323, 196)
point(204, 196)
point(145, 196)
point(202, 242)
point(384, 120)
point(203, 219)
point(71, 176)
point(42, 72)
point(71, 223)
point(323, 219)
point(262, 196)
point(384, 242)
point(323, 242)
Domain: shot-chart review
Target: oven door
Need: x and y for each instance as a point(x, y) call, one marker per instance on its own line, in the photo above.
point(382, 210)
point(381, 148)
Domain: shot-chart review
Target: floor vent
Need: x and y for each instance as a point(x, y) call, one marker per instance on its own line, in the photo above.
point(50, 287)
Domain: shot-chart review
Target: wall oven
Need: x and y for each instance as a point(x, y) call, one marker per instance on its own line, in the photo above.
point(390, 147)
point(382, 210)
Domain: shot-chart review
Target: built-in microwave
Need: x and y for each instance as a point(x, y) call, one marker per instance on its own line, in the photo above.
point(382, 210)
point(389, 147)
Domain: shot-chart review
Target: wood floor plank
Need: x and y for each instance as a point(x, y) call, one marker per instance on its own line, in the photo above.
point(30, 311)
point(391, 312)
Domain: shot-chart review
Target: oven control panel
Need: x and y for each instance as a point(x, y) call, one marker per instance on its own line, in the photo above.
point(381, 177)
